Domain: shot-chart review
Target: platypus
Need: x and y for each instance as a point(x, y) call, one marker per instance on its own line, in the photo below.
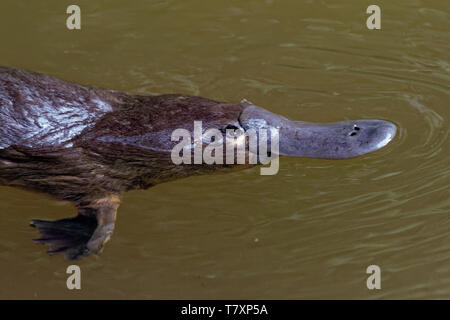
point(89, 145)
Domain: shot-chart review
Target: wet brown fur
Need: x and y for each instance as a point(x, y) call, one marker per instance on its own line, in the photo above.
point(127, 147)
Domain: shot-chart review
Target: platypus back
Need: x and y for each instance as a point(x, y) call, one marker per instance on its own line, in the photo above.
point(39, 110)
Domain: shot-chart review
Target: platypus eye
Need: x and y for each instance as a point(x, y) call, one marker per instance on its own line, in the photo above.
point(233, 131)
point(231, 127)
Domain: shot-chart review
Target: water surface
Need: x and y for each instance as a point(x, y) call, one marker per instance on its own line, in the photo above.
point(308, 232)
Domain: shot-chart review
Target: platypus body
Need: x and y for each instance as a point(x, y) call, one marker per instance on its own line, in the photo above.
point(89, 146)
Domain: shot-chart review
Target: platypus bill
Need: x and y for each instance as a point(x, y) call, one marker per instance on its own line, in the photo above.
point(89, 146)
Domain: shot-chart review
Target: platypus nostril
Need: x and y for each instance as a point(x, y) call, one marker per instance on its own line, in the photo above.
point(353, 133)
point(356, 127)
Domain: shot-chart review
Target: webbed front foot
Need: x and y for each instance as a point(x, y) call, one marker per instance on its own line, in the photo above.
point(82, 235)
point(66, 236)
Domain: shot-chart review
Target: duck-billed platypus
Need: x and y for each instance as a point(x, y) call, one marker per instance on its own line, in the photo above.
point(89, 146)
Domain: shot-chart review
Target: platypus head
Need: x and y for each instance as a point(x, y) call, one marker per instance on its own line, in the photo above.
point(183, 129)
point(337, 140)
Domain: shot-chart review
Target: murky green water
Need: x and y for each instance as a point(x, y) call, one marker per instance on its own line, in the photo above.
point(308, 232)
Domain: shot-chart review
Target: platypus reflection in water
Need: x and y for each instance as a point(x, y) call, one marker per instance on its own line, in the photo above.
point(89, 146)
